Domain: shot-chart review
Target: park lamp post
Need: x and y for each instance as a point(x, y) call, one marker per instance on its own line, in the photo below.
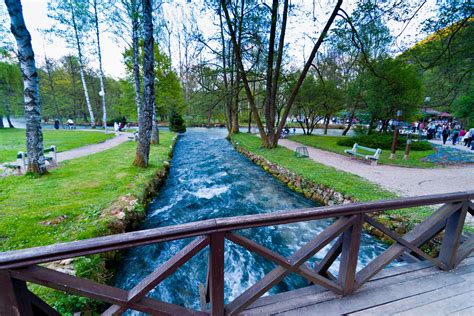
point(395, 135)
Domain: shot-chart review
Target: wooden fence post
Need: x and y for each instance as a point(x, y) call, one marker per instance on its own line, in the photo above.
point(14, 298)
point(452, 236)
point(349, 256)
point(216, 268)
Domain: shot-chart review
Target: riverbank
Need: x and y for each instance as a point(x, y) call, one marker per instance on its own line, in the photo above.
point(328, 185)
point(96, 195)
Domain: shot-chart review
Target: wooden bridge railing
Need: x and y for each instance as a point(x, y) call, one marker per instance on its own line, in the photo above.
point(19, 267)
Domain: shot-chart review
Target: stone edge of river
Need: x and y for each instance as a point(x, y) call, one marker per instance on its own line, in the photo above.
point(328, 196)
point(126, 214)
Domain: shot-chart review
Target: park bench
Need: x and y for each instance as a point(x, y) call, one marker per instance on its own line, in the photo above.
point(51, 158)
point(301, 152)
point(373, 158)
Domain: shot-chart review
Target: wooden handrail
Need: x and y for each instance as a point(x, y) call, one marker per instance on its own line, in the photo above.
point(26, 257)
point(19, 267)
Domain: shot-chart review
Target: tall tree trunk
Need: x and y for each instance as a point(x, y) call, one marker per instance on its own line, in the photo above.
point(136, 65)
point(349, 125)
point(326, 124)
point(81, 65)
point(34, 134)
point(1, 121)
point(146, 117)
point(155, 133)
point(101, 72)
point(10, 124)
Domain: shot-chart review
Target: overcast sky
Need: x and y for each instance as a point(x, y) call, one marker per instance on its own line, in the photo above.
point(300, 31)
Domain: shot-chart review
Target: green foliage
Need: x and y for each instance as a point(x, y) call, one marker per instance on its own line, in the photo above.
point(168, 92)
point(177, 122)
point(11, 89)
point(395, 86)
point(383, 141)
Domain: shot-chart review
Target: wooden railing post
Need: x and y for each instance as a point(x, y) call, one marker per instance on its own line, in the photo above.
point(452, 236)
point(349, 256)
point(14, 299)
point(216, 268)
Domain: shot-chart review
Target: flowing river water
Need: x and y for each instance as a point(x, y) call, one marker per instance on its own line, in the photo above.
point(209, 179)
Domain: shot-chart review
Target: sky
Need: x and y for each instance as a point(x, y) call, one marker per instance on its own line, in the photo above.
point(301, 31)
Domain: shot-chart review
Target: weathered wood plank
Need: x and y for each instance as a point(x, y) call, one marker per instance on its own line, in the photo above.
point(405, 243)
point(297, 259)
point(452, 237)
point(409, 303)
point(160, 274)
point(323, 266)
point(369, 297)
point(90, 289)
point(350, 255)
point(216, 274)
point(418, 236)
point(20, 258)
point(282, 261)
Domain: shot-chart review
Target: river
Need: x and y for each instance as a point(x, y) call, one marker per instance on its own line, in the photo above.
point(209, 179)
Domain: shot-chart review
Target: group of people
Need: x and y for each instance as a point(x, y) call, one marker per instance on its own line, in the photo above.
point(457, 134)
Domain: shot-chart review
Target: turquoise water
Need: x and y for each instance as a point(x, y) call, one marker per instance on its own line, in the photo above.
point(209, 179)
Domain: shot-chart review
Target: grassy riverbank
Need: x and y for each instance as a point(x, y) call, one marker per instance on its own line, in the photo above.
point(12, 140)
point(329, 143)
point(74, 202)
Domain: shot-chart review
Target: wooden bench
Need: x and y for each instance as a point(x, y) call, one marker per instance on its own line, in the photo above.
point(301, 152)
point(373, 158)
point(51, 158)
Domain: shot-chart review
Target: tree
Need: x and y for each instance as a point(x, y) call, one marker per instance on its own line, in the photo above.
point(274, 57)
point(396, 87)
point(101, 72)
point(176, 122)
point(10, 90)
point(34, 134)
point(74, 16)
point(146, 115)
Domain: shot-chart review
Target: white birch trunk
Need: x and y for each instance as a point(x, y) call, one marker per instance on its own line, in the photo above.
point(81, 66)
point(101, 72)
point(34, 134)
point(136, 65)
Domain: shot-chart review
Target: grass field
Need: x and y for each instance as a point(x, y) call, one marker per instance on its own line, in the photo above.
point(358, 188)
point(329, 143)
point(13, 140)
point(77, 191)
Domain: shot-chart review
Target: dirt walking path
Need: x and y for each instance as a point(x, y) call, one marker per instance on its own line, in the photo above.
point(400, 180)
point(94, 148)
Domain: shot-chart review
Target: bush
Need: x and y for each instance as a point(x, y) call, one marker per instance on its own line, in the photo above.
point(383, 141)
point(177, 123)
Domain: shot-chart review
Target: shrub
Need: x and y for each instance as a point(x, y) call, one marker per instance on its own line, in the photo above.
point(177, 123)
point(383, 141)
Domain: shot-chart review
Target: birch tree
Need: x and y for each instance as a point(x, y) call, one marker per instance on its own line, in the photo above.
point(34, 134)
point(101, 72)
point(146, 115)
point(73, 15)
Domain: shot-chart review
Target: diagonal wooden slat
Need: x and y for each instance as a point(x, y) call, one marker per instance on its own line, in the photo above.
point(282, 261)
point(161, 273)
point(417, 236)
point(323, 266)
point(86, 288)
point(403, 242)
point(465, 249)
point(297, 259)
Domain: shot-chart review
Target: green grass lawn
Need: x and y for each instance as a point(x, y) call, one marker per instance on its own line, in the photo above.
point(329, 143)
point(79, 189)
point(12, 140)
point(346, 183)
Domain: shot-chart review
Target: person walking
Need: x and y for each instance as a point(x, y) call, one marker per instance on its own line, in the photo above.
point(455, 133)
point(445, 133)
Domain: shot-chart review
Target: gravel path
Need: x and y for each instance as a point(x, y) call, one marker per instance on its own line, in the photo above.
point(94, 148)
point(400, 180)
